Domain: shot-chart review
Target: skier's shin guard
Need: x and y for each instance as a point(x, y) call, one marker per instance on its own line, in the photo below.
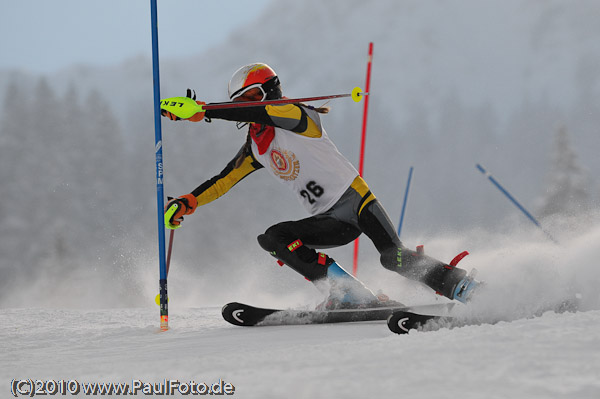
point(303, 260)
point(437, 275)
point(344, 288)
point(326, 274)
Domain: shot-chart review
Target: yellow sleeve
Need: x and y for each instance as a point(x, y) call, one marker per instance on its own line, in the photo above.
point(295, 118)
point(224, 181)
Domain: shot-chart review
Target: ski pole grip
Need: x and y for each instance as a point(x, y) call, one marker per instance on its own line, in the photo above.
point(169, 214)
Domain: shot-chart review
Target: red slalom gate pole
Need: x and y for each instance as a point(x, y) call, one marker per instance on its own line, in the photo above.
point(362, 143)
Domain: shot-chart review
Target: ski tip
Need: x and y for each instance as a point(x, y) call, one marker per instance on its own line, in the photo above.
point(401, 322)
point(234, 313)
point(398, 323)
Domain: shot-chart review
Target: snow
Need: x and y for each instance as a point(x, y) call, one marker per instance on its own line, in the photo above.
point(504, 344)
point(552, 356)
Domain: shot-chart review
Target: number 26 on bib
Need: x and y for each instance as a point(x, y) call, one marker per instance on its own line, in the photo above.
point(312, 191)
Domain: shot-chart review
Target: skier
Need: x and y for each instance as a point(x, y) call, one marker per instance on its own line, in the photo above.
point(290, 143)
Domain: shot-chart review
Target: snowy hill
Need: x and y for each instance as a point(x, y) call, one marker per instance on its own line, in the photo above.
point(502, 351)
point(553, 356)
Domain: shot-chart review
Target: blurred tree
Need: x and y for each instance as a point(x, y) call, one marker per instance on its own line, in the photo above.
point(62, 176)
point(14, 124)
point(566, 192)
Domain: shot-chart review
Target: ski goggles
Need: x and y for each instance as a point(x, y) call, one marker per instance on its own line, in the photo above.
point(270, 86)
point(246, 89)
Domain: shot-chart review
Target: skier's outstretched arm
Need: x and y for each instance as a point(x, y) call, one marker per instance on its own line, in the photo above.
point(236, 170)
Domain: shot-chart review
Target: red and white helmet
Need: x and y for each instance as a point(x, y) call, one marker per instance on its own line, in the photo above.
point(252, 76)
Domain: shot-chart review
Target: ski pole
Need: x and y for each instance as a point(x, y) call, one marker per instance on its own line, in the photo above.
point(185, 107)
point(171, 236)
point(513, 200)
point(410, 172)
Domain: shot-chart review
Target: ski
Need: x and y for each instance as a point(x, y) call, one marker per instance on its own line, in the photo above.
point(402, 321)
point(241, 314)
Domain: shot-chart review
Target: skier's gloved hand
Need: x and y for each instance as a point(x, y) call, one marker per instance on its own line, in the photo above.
point(169, 115)
point(177, 207)
point(197, 117)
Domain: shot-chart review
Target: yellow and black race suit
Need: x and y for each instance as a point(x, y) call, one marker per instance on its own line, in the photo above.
point(356, 212)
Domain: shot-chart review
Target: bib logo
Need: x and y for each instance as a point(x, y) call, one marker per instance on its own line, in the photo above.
point(284, 164)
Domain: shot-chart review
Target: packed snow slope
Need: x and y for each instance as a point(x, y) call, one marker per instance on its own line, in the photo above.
point(504, 344)
point(455, 83)
point(552, 356)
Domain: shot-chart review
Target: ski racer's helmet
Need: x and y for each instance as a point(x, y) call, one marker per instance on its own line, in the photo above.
point(253, 76)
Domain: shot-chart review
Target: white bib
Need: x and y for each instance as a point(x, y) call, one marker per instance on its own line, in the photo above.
point(312, 167)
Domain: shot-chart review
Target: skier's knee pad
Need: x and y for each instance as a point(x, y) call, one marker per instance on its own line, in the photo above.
point(281, 242)
point(267, 242)
point(283, 232)
point(276, 246)
point(302, 259)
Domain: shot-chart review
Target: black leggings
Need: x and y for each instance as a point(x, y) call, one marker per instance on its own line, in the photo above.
point(328, 231)
point(294, 243)
point(340, 225)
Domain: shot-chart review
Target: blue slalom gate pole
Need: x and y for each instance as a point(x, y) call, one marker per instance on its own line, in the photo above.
point(513, 200)
point(410, 172)
point(160, 202)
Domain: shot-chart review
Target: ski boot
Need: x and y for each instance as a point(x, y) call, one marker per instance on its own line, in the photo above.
point(465, 287)
point(446, 280)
